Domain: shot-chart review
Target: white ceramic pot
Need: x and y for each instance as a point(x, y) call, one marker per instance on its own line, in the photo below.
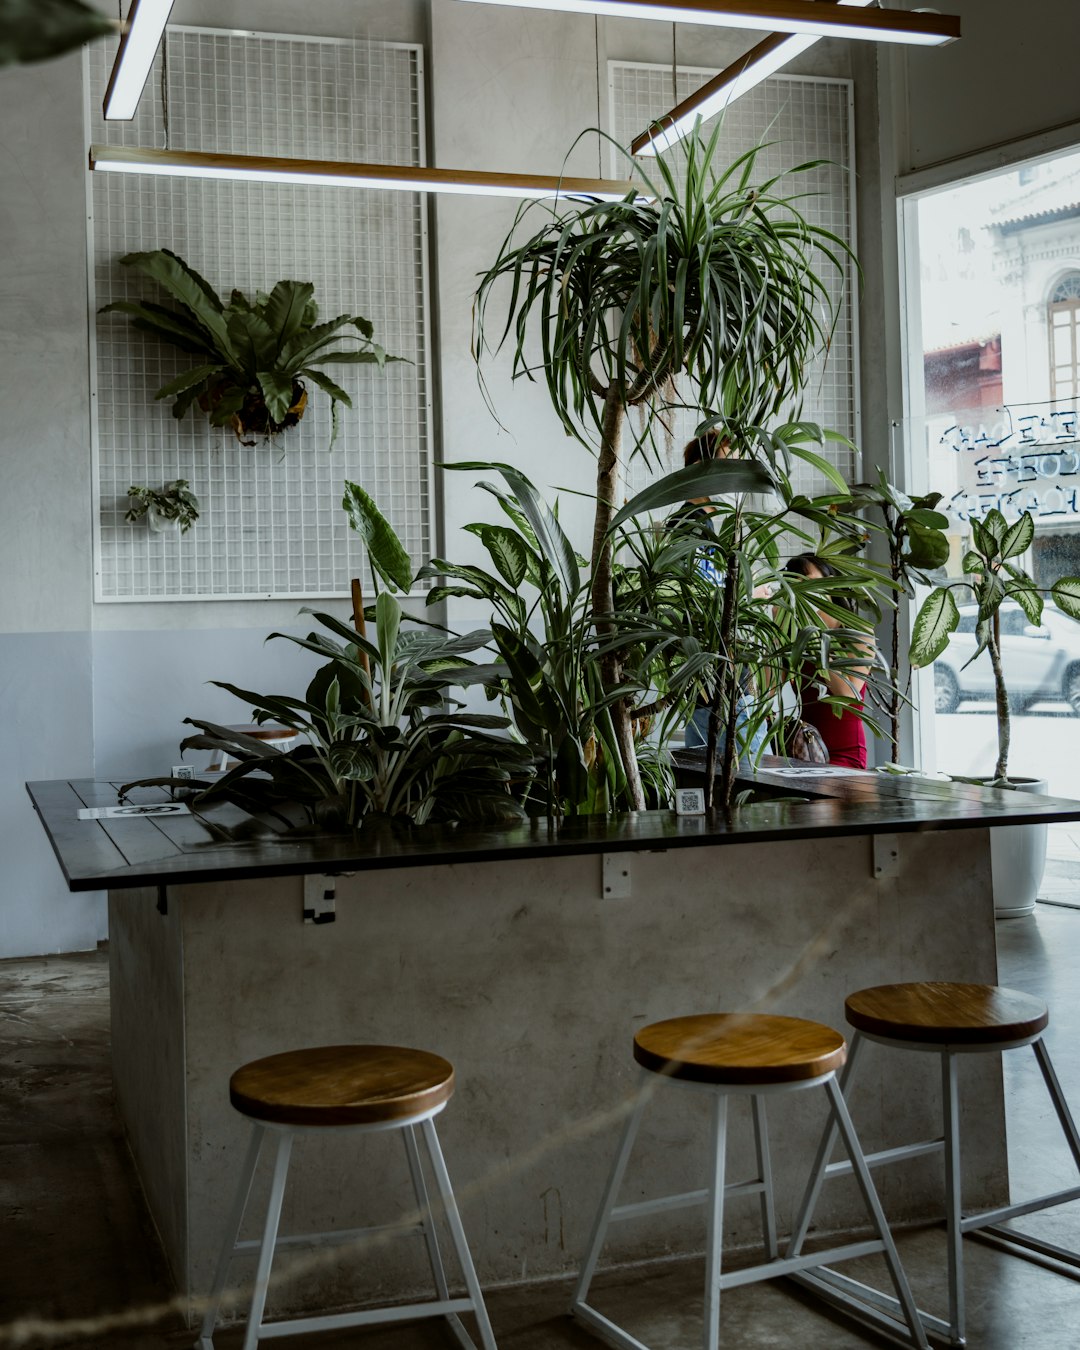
point(1018, 854)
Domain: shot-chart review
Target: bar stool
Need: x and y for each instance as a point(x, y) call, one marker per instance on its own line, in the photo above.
point(361, 1089)
point(947, 1020)
point(757, 1055)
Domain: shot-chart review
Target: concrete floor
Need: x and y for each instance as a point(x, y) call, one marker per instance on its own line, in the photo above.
point(80, 1264)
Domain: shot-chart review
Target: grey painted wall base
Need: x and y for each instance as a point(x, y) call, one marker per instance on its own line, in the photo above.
point(532, 985)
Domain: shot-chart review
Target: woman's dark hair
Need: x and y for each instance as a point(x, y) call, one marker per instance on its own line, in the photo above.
point(802, 561)
point(709, 445)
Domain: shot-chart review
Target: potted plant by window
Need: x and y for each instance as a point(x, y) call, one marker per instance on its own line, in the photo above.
point(708, 280)
point(253, 355)
point(993, 575)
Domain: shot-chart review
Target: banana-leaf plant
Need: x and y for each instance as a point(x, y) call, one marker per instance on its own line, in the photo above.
point(709, 280)
point(541, 629)
point(381, 734)
point(992, 573)
point(252, 356)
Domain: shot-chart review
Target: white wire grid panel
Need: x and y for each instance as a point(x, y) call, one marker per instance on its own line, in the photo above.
point(271, 523)
point(799, 119)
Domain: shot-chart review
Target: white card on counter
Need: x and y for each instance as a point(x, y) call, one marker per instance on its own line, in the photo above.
point(119, 812)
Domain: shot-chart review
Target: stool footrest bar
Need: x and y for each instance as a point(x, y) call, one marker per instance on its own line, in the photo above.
point(685, 1200)
point(405, 1312)
point(867, 1305)
point(331, 1239)
point(991, 1216)
point(887, 1155)
point(867, 1294)
point(788, 1265)
point(1030, 1246)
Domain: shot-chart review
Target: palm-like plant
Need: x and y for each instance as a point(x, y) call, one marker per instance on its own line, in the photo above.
point(253, 355)
point(711, 280)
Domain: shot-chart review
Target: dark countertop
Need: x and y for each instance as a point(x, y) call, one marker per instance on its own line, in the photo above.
point(166, 850)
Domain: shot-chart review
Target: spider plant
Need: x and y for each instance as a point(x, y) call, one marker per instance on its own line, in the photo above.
point(709, 280)
point(253, 355)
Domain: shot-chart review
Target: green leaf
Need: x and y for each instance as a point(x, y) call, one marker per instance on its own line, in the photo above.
point(1065, 593)
point(973, 562)
point(277, 393)
point(830, 471)
point(190, 378)
point(1018, 538)
point(704, 479)
point(387, 625)
point(284, 309)
point(934, 623)
point(927, 548)
point(930, 520)
point(37, 30)
point(990, 592)
point(185, 284)
point(996, 526)
point(385, 550)
point(1028, 598)
point(508, 552)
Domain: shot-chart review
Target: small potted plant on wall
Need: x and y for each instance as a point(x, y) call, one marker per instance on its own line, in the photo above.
point(253, 356)
point(993, 575)
point(174, 505)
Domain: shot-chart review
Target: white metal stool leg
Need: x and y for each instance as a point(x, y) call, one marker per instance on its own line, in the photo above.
point(457, 1233)
point(269, 1240)
point(714, 1247)
point(232, 1232)
point(764, 1164)
point(427, 1223)
point(954, 1233)
point(607, 1204)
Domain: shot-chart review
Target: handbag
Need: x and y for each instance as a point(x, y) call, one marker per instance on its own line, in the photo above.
point(799, 739)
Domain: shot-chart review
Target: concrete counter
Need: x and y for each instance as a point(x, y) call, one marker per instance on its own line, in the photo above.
point(523, 972)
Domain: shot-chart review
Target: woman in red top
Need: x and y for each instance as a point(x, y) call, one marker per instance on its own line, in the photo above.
point(841, 728)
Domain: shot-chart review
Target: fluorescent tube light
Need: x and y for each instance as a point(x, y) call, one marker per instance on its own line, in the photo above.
point(331, 173)
point(756, 65)
point(146, 22)
point(823, 18)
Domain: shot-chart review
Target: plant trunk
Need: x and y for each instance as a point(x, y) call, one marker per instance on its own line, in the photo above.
point(1004, 728)
point(728, 681)
point(603, 593)
point(894, 692)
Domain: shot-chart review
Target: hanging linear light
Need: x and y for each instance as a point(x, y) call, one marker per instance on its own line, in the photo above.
point(146, 22)
point(754, 66)
point(823, 18)
point(332, 173)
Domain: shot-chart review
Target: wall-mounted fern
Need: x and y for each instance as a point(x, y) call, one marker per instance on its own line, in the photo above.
point(253, 356)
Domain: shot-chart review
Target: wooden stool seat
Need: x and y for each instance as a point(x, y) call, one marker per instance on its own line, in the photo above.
point(947, 1014)
point(342, 1085)
point(739, 1048)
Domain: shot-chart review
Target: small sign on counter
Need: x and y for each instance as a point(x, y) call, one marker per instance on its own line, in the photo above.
point(148, 809)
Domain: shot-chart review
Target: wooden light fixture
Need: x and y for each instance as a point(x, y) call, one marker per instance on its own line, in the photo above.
point(822, 18)
point(333, 173)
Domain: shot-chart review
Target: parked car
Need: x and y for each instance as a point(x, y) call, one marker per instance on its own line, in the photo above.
point(1040, 663)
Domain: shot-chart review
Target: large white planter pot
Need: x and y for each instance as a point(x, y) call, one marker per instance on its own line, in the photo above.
point(1018, 854)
